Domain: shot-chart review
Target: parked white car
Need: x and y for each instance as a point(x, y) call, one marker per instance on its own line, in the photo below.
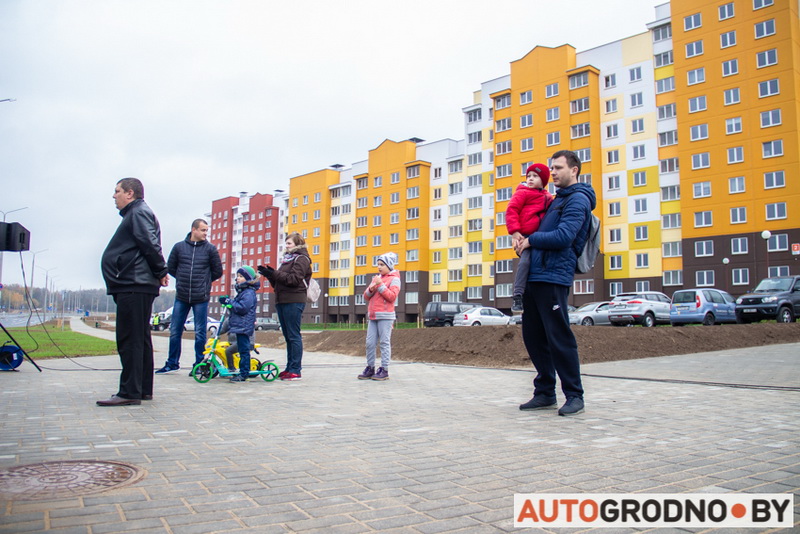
point(211, 325)
point(481, 315)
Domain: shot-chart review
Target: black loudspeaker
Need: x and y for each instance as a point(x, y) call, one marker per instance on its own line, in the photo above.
point(15, 237)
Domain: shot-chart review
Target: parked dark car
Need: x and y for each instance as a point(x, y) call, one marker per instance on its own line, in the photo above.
point(442, 313)
point(267, 323)
point(702, 305)
point(773, 298)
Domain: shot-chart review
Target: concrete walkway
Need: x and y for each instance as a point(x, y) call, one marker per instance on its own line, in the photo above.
point(435, 449)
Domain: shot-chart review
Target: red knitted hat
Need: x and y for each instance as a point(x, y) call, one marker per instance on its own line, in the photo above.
point(542, 170)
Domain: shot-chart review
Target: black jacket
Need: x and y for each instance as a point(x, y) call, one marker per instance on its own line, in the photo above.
point(132, 261)
point(194, 265)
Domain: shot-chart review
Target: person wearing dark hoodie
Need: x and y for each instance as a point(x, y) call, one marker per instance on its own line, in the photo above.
point(195, 264)
point(290, 281)
point(554, 254)
point(243, 316)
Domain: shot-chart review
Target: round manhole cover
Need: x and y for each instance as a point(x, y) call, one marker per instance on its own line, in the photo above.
point(66, 479)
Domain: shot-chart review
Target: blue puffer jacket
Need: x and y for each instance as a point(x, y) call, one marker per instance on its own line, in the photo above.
point(561, 236)
point(243, 312)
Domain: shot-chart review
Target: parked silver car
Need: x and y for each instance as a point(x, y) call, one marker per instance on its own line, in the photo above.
point(481, 315)
point(646, 308)
point(590, 314)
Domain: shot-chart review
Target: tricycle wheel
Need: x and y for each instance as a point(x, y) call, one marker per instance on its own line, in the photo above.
point(269, 371)
point(202, 372)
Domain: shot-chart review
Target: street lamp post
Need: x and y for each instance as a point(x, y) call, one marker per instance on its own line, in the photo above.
point(3, 253)
point(46, 287)
point(33, 263)
point(765, 235)
point(725, 262)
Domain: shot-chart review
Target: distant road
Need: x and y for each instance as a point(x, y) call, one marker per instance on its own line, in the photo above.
point(13, 320)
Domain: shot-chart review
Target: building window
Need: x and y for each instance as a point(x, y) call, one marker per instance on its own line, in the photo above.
point(695, 76)
point(504, 194)
point(615, 263)
point(669, 165)
point(503, 148)
point(765, 28)
point(668, 138)
point(611, 105)
point(672, 278)
point(670, 192)
point(612, 131)
point(774, 179)
point(581, 130)
point(698, 132)
point(613, 182)
point(665, 85)
point(702, 189)
point(614, 209)
point(667, 111)
point(643, 260)
point(702, 219)
point(578, 80)
point(776, 211)
point(768, 88)
point(526, 121)
point(553, 138)
point(526, 144)
point(577, 106)
point(636, 100)
point(738, 215)
point(735, 155)
point(670, 221)
point(731, 96)
point(613, 156)
point(635, 74)
point(615, 235)
point(661, 33)
point(610, 81)
point(639, 179)
point(583, 287)
point(733, 125)
point(671, 249)
point(739, 245)
point(758, 4)
point(736, 185)
point(730, 67)
point(694, 48)
point(692, 21)
point(767, 58)
point(727, 39)
point(525, 97)
point(637, 126)
point(412, 172)
point(770, 118)
point(741, 276)
point(475, 159)
point(704, 278)
point(778, 243)
point(641, 233)
point(553, 114)
point(640, 205)
point(551, 90)
point(473, 116)
point(726, 11)
point(638, 151)
point(772, 149)
point(663, 59)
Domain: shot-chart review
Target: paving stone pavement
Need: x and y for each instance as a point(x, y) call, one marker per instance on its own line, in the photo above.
point(434, 449)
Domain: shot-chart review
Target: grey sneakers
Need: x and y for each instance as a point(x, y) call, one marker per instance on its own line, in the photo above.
point(573, 406)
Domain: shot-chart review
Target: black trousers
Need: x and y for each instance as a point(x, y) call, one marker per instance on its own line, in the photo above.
point(134, 344)
point(549, 340)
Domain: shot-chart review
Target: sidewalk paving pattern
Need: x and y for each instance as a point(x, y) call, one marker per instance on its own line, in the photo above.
point(435, 449)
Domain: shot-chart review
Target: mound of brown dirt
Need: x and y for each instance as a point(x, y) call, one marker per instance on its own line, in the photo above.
point(502, 346)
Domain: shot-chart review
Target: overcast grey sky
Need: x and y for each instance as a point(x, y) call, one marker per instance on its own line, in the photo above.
point(202, 99)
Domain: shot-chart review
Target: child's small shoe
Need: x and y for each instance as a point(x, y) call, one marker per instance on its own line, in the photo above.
point(381, 374)
point(517, 306)
point(368, 373)
point(238, 378)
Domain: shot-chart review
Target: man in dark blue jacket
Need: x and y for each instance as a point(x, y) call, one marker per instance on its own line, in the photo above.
point(194, 263)
point(134, 271)
point(555, 248)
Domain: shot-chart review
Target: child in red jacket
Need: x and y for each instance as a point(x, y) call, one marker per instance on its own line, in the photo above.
point(381, 295)
point(523, 215)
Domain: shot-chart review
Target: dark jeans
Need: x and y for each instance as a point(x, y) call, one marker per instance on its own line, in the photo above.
point(134, 344)
point(243, 341)
point(290, 315)
point(549, 340)
point(180, 311)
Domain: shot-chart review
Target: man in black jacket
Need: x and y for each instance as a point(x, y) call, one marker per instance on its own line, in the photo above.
point(134, 271)
point(194, 263)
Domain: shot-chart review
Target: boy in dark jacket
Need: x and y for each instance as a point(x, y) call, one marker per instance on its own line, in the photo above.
point(243, 316)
